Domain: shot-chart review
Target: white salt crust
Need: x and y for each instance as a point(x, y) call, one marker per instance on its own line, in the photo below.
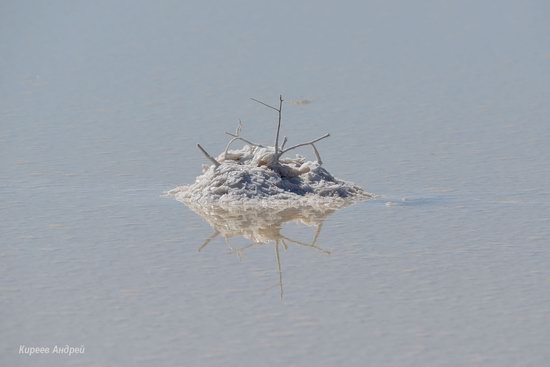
point(243, 178)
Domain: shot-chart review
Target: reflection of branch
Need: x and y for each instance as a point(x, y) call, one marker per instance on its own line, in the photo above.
point(207, 241)
point(279, 267)
point(318, 232)
point(312, 245)
point(284, 244)
point(239, 250)
point(227, 243)
point(262, 227)
point(313, 242)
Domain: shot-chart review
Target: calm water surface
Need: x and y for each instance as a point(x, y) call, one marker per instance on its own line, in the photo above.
point(439, 108)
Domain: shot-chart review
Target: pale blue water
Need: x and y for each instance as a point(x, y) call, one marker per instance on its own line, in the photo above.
point(443, 104)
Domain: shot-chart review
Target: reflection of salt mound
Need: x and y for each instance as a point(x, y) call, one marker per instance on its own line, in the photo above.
point(258, 224)
point(263, 226)
point(243, 177)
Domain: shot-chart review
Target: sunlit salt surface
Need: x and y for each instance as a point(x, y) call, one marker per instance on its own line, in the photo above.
point(244, 180)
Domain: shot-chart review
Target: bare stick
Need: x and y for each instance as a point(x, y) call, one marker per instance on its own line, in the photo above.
point(227, 147)
point(239, 128)
point(265, 104)
point(279, 123)
point(284, 142)
point(231, 142)
point(279, 111)
point(245, 140)
point(216, 163)
point(237, 136)
point(317, 154)
point(307, 143)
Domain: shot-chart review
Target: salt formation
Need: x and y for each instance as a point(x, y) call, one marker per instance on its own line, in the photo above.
point(260, 175)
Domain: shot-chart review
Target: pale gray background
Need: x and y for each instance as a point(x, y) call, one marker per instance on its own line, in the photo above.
point(444, 103)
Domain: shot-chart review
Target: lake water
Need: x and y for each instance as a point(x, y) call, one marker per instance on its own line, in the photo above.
point(441, 109)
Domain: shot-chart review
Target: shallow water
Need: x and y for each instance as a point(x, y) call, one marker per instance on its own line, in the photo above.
point(440, 109)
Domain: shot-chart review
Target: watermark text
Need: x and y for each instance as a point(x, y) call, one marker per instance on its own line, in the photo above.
point(66, 349)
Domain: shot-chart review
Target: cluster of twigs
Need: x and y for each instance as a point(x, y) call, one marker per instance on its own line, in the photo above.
point(278, 150)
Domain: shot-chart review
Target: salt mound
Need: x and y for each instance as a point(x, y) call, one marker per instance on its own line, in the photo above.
point(248, 177)
point(259, 175)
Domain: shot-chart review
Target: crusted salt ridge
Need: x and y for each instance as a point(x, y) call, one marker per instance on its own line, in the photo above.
point(244, 179)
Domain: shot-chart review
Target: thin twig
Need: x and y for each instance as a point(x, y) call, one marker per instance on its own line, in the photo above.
point(279, 150)
point(216, 163)
point(265, 104)
point(279, 123)
point(317, 154)
point(227, 147)
point(284, 142)
point(237, 136)
point(239, 128)
point(307, 143)
point(279, 111)
point(245, 140)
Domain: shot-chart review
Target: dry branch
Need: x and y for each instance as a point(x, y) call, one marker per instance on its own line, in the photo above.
point(265, 104)
point(278, 150)
point(279, 111)
point(278, 124)
point(306, 143)
point(237, 136)
point(284, 142)
point(216, 163)
point(319, 161)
